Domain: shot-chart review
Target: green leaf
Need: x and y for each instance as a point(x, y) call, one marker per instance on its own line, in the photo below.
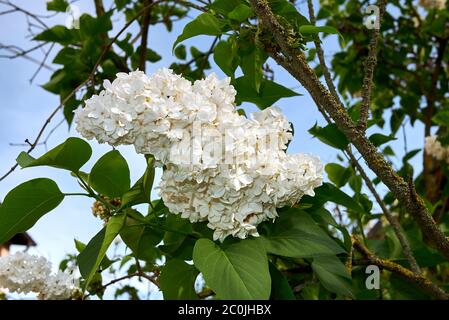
point(333, 275)
point(70, 155)
point(239, 272)
point(225, 6)
point(27, 203)
point(91, 257)
point(110, 175)
point(225, 57)
point(141, 191)
point(295, 234)
point(355, 182)
point(324, 218)
point(442, 118)
point(251, 64)
point(379, 139)
point(410, 155)
point(178, 244)
point(328, 192)
point(310, 29)
point(269, 92)
point(57, 5)
point(388, 151)
point(241, 13)
point(56, 82)
point(180, 52)
point(204, 24)
point(59, 34)
point(288, 11)
point(178, 280)
point(330, 135)
point(79, 245)
point(152, 55)
point(280, 288)
point(141, 239)
point(396, 120)
point(338, 174)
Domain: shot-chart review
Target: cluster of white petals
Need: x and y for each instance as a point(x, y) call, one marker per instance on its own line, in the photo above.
point(434, 148)
point(432, 4)
point(219, 166)
point(25, 273)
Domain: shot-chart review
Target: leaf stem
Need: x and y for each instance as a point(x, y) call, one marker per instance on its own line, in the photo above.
point(77, 194)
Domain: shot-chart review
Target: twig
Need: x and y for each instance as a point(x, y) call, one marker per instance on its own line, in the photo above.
point(128, 276)
point(19, 51)
point(320, 54)
point(422, 282)
point(25, 56)
point(204, 56)
point(192, 5)
point(369, 66)
point(431, 96)
point(35, 17)
point(41, 65)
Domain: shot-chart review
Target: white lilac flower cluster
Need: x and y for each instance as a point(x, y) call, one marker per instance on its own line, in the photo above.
point(25, 273)
point(434, 148)
point(219, 166)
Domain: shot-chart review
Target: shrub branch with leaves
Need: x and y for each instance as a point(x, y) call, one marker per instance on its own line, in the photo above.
point(322, 238)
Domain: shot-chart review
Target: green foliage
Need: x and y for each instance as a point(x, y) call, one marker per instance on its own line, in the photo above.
point(70, 155)
point(251, 64)
point(330, 135)
point(204, 24)
point(58, 34)
point(241, 13)
point(92, 255)
point(24, 205)
point(338, 174)
point(178, 280)
point(295, 234)
point(224, 7)
point(328, 192)
point(280, 288)
point(141, 239)
point(141, 190)
point(379, 139)
point(225, 56)
point(332, 274)
point(305, 29)
point(110, 175)
point(57, 5)
point(269, 92)
point(239, 271)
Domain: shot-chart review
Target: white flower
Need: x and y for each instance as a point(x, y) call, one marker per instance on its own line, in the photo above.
point(434, 148)
point(25, 273)
point(220, 167)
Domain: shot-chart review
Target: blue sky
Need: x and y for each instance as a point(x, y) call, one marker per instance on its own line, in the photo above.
point(25, 107)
